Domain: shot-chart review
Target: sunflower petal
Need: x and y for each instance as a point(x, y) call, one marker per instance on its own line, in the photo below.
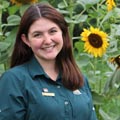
point(96, 41)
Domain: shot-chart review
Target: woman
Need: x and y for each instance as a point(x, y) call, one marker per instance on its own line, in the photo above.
point(44, 81)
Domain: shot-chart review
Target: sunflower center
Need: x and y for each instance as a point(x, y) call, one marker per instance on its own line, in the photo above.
point(117, 60)
point(95, 40)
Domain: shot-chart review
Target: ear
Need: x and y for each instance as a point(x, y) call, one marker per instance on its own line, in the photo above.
point(25, 39)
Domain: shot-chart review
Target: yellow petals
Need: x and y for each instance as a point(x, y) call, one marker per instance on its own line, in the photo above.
point(110, 4)
point(115, 60)
point(95, 40)
point(20, 2)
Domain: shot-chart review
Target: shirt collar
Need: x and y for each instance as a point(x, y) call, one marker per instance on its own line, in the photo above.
point(35, 68)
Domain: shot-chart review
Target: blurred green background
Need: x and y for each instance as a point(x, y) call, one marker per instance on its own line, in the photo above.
point(79, 14)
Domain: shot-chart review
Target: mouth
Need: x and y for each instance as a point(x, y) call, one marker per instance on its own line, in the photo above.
point(48, 48)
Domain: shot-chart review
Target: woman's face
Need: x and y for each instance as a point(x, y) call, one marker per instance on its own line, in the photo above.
point(45, 39)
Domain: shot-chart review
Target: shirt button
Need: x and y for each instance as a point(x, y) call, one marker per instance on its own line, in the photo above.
point(66, 102)
point(93, 108)
point(58, 86)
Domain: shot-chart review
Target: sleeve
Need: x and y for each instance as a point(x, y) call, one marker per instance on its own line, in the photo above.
point(12, 100)
point(93, 112)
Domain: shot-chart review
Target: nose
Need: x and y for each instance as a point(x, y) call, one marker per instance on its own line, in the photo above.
point(47, 39)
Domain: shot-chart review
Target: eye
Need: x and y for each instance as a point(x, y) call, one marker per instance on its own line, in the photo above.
point(37, 35)
point(53, 31)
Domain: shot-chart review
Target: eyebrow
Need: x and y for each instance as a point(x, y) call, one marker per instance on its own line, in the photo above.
point(38, 31)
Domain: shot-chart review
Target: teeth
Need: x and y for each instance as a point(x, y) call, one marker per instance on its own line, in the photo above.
point(48, 48)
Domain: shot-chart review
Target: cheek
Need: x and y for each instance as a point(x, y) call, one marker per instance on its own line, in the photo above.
point(59, 39)
point(36, 45)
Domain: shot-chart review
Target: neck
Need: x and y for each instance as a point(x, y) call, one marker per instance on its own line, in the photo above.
point(49, 67)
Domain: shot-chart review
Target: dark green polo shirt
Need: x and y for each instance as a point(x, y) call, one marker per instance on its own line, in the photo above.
point(27, 93)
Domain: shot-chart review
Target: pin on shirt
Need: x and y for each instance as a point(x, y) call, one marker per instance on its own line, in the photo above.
point(45, 90)
point(77, 92)
point(46, 93)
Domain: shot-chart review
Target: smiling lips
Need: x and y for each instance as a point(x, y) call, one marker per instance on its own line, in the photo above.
point(48, 48)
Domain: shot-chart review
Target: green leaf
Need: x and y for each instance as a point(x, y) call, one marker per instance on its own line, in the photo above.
point(83, 59)
point(69, 20)
point(113, 83)
point(4, 46)
point(7, 46)
point(106, 17)
point(61, 5)
point(63, 11)
point(98, 99)
point(23, 8)
point(79, 46)
point(104, 115)
point(115, 29)
point(85, 3)
point(5, 4)
point(12, 36)
point(118, 118)
point(80, 18)
point(14, 19)
point(4, 57)
point(13, 9)
point(1, 69)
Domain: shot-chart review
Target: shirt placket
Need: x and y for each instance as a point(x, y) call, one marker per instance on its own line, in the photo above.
point(67, 104)
point(68, 110)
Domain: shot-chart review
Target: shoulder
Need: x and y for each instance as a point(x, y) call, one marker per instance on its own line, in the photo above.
point(12, 82)
point(86, 86)
point(13, 74)
point(86, 82)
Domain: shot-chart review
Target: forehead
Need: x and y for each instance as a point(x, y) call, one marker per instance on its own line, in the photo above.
point(42, 24)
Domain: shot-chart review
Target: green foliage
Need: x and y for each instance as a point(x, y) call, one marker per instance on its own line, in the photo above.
point(79, 14)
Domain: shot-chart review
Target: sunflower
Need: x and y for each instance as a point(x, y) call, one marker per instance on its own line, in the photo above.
point(95, 41)
point(115, 60)
point(110, 4)
point(20, 2)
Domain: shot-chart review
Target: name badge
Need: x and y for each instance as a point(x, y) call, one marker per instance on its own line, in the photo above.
point(48, 94)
